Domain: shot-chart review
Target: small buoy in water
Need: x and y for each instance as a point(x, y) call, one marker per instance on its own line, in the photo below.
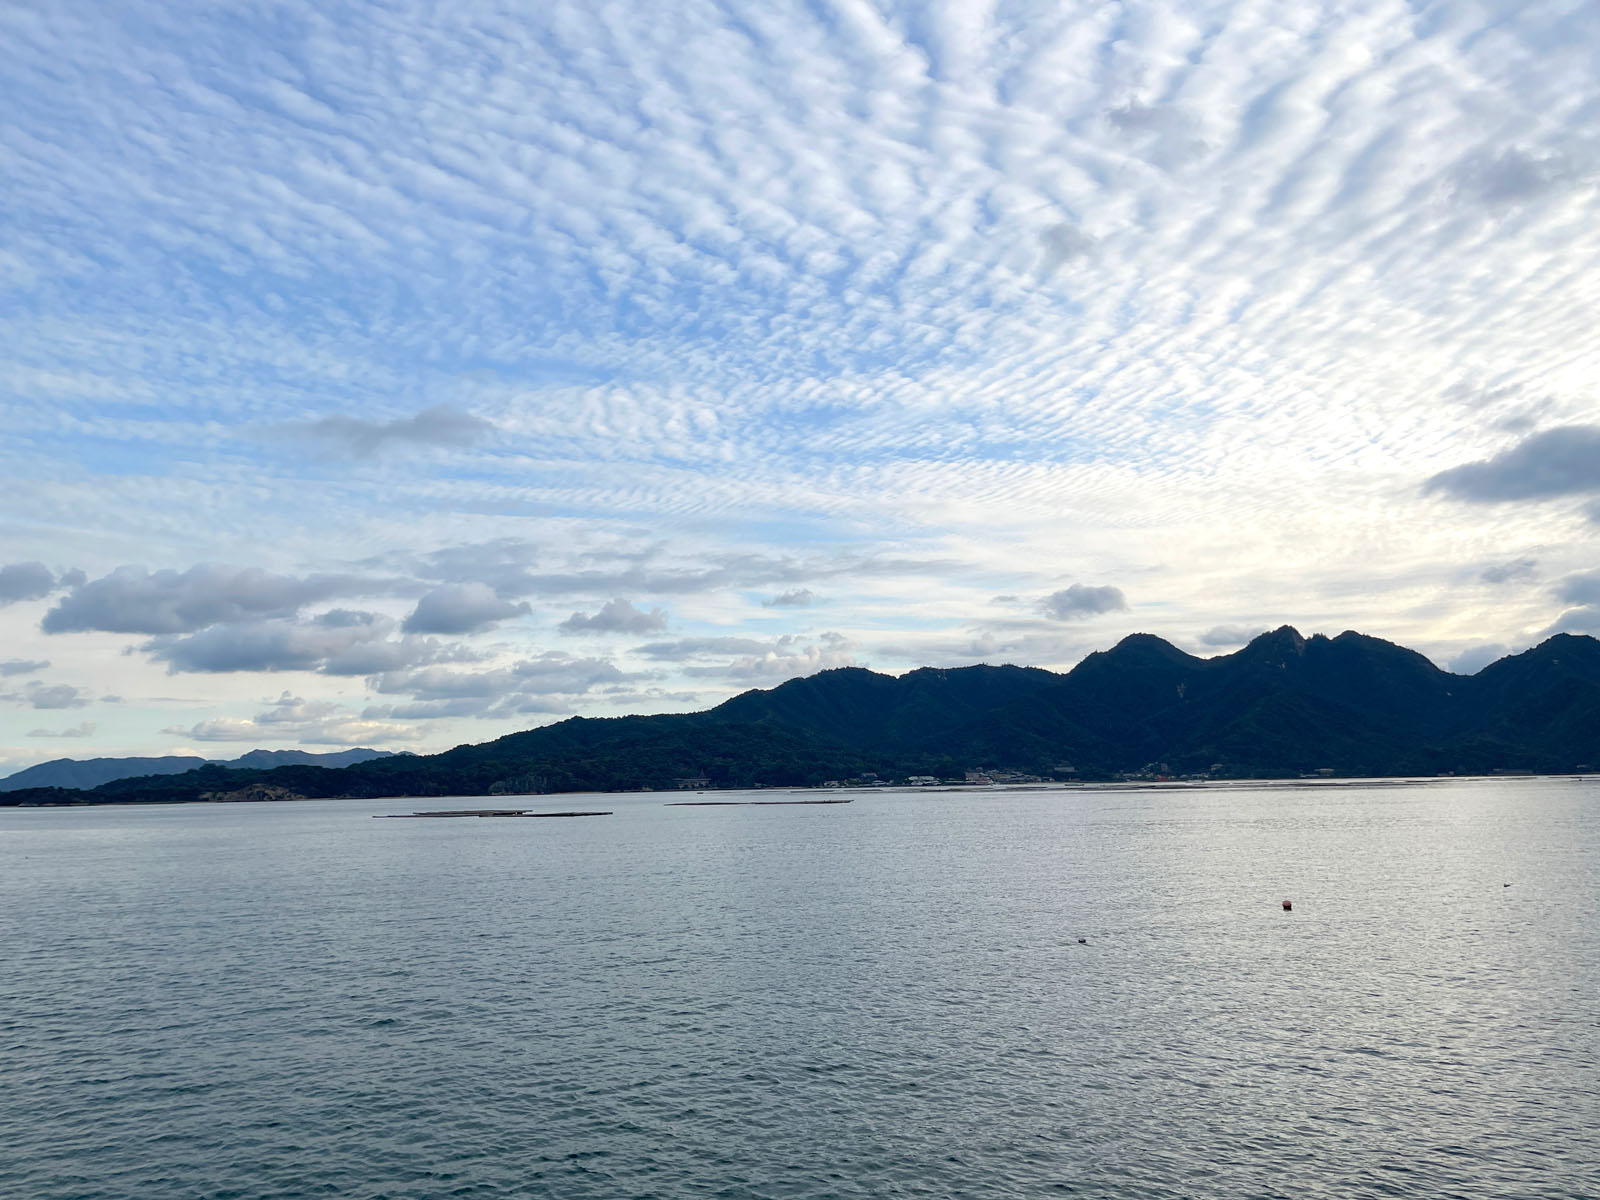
point(1083, 941)
point(1288, 906)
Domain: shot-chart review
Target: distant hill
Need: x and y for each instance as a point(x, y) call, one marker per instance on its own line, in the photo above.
point(259, 759)
point(1282, 706)
point(92, 772)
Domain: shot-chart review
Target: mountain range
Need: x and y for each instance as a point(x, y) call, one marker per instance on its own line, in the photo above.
point(1282, 706)
point(92, 772)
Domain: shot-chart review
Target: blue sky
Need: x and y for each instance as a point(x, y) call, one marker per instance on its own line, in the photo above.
point(404, 374)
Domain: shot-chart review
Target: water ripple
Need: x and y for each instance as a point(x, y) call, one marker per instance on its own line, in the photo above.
point(258, 1001)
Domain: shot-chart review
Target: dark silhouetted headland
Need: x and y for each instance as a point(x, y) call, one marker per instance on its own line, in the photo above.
point(1283, 706)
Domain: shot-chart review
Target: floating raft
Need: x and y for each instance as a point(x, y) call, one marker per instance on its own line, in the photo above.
point(485, 812)
point(750, 803)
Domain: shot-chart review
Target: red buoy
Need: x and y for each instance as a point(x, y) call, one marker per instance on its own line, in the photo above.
point(1288, 906)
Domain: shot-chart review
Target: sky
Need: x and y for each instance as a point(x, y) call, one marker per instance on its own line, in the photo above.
point(404, 374)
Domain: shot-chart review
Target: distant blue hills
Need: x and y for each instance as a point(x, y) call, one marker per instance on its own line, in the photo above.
point(92, 772)
point(1283, 706)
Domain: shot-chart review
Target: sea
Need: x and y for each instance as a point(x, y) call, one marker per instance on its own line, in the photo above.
point(1087, 992)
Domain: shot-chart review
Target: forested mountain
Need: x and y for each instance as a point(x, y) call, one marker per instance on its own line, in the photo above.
point(1281, 706)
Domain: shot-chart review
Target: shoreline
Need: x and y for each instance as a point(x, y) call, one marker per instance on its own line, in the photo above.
point(1094, 786)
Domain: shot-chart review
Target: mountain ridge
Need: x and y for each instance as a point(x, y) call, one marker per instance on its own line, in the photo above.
point(84, 773)
point(1283, 705)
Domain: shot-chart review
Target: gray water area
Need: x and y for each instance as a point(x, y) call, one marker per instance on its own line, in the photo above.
point(883, 998)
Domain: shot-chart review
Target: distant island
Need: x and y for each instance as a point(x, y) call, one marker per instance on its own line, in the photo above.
point(1284, 706)
point(92, 772)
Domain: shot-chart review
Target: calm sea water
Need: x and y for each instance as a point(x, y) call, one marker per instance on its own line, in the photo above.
point(886, 998)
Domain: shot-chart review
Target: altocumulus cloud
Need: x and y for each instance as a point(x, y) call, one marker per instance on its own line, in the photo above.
point(1557, 462)
point(23, 666)
point(933, 252)
point(1080, 600)
point(461, 608)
